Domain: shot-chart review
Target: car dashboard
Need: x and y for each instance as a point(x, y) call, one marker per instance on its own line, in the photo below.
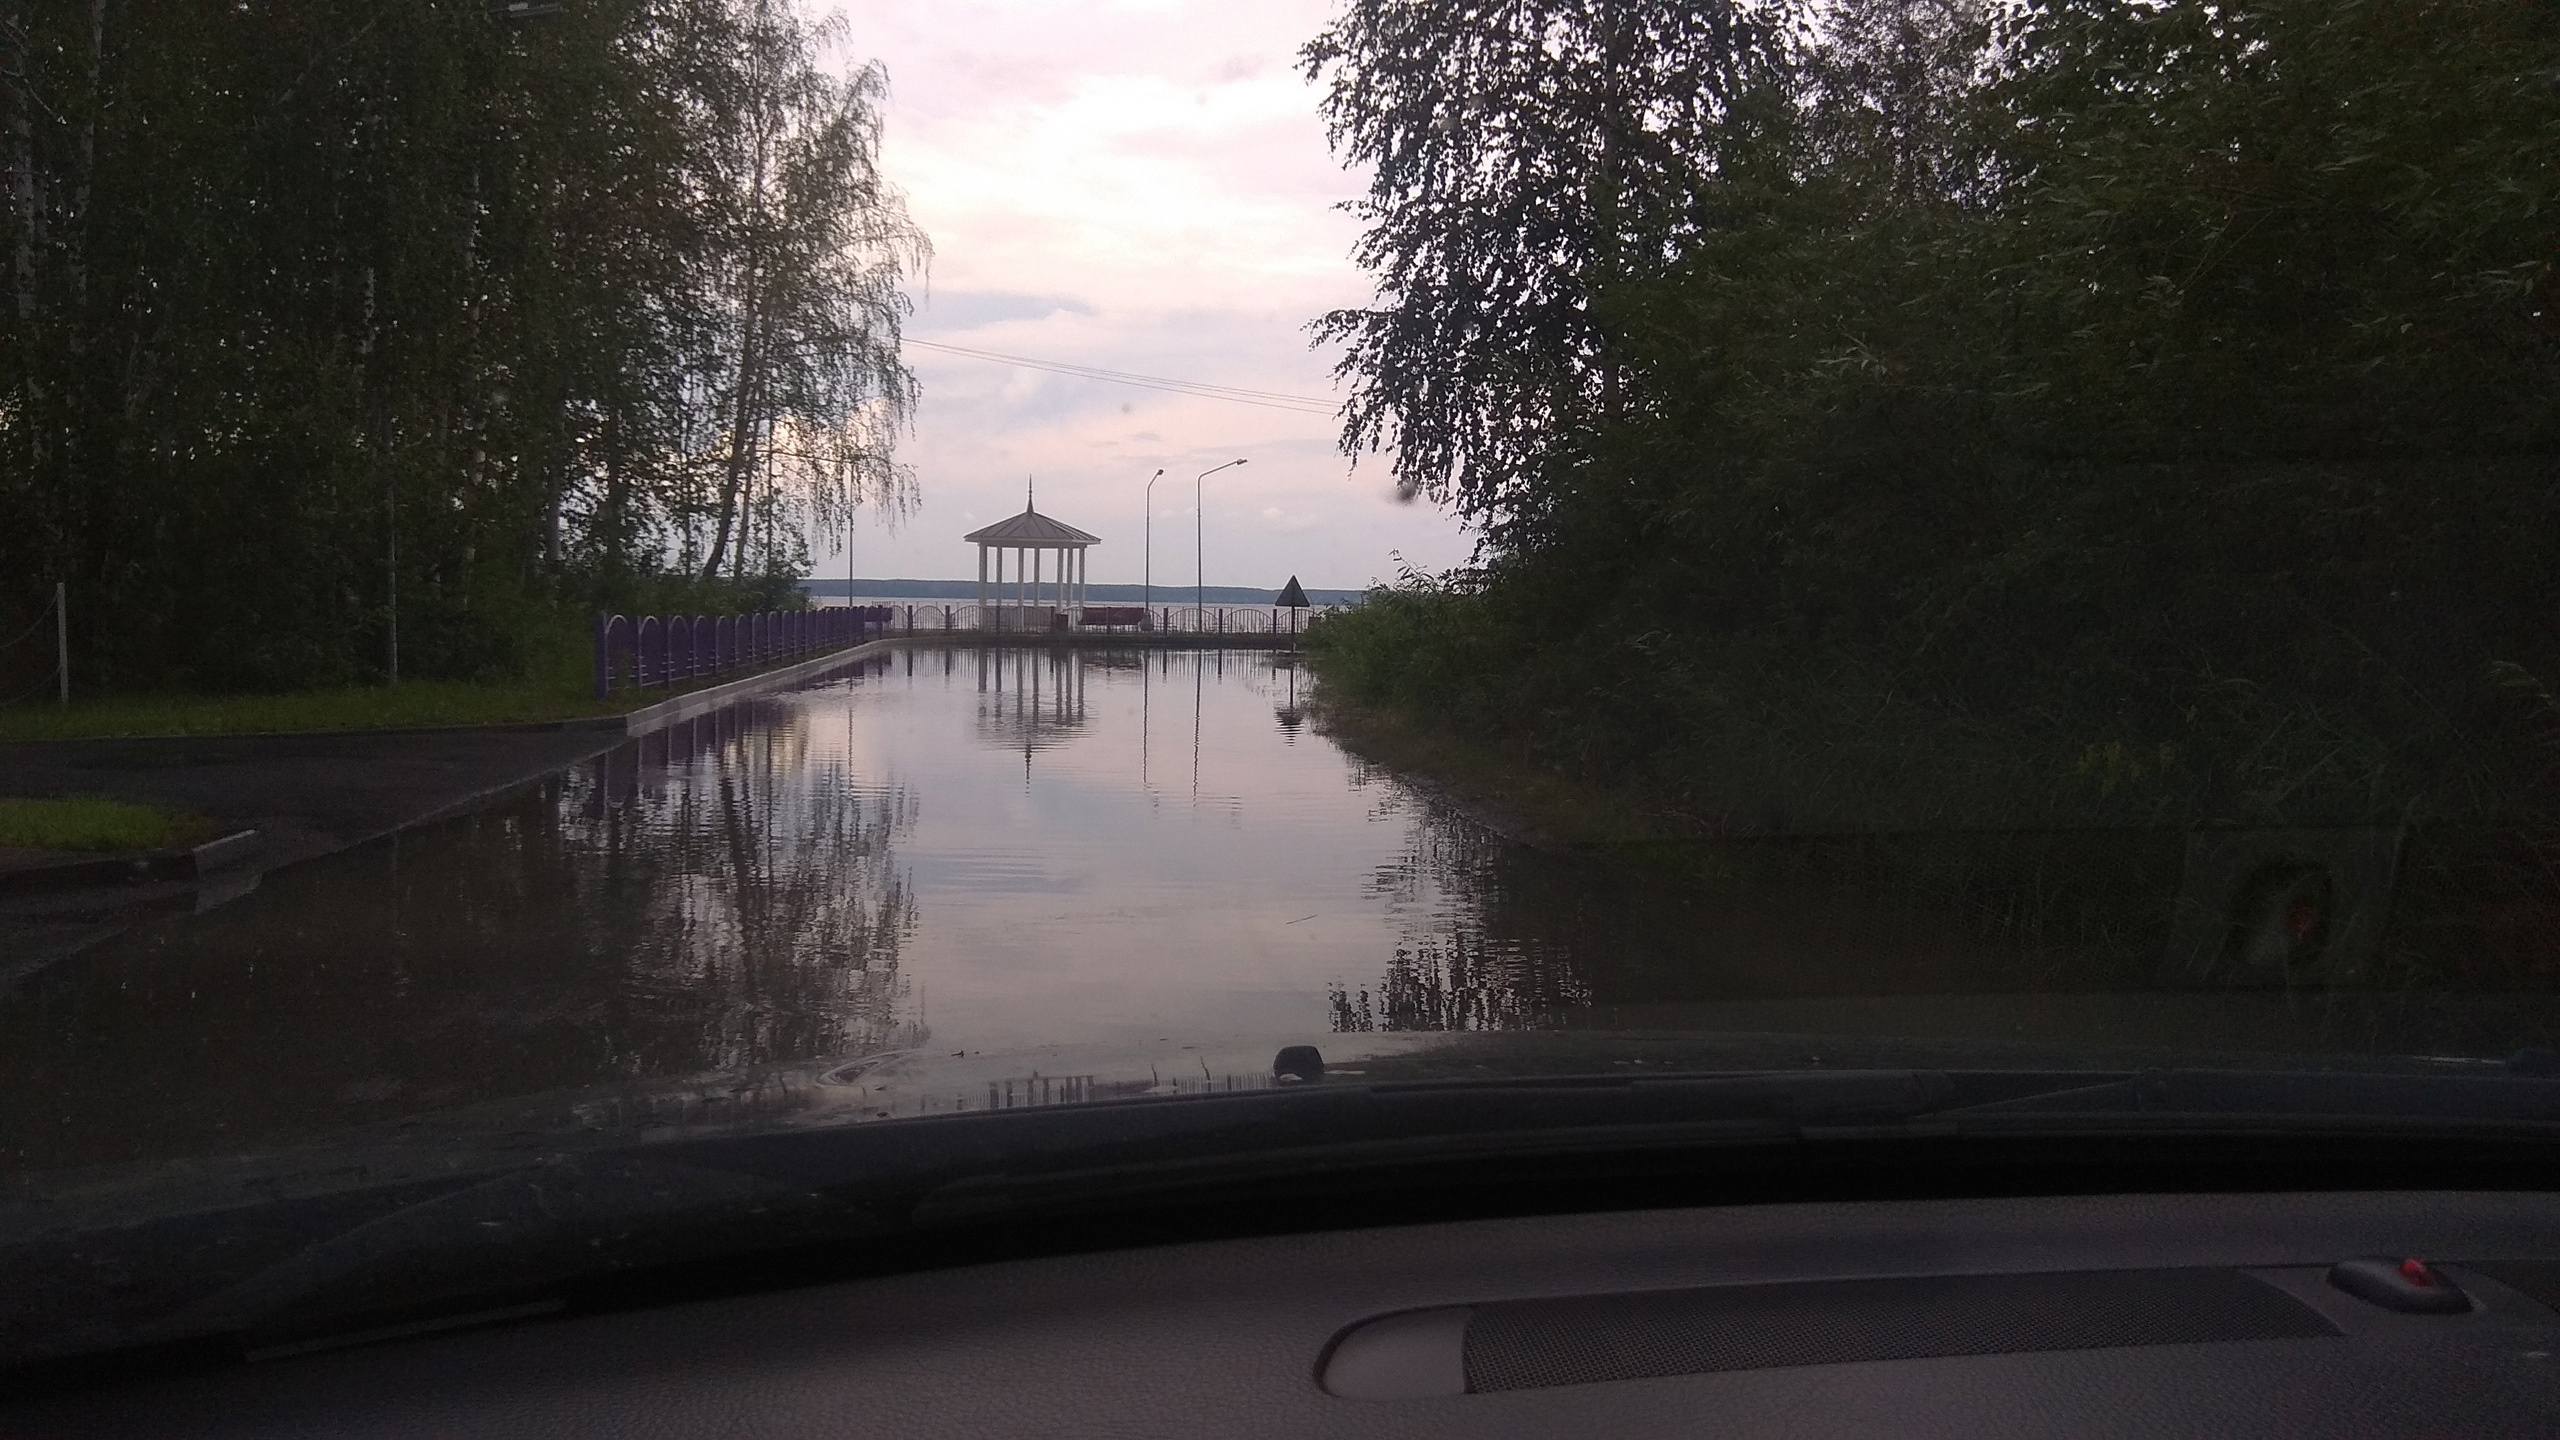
point(2285, 1313)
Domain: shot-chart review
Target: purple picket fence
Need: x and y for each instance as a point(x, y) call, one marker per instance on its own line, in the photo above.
point(660, 653)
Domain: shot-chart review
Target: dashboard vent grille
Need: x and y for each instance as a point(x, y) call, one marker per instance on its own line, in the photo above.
point(1527, 1344)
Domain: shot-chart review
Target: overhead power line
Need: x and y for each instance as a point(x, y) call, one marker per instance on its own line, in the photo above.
point(1267, 399)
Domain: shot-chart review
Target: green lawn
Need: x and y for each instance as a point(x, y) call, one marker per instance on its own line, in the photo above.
point(353, 707)
point(89, 823)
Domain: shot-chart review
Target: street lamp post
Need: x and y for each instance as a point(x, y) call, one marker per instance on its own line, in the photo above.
point(1200, 542)
point(1147, 590)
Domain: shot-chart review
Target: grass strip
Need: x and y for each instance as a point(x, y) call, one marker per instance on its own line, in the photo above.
point(407, 705)
point(90, 823)
point(354, 707)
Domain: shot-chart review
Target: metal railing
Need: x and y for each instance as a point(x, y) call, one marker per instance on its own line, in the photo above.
point(657, 653)
point(936, 617)
point(1166, 619)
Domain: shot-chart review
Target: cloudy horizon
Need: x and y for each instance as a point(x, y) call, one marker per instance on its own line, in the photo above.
point(1143, 188)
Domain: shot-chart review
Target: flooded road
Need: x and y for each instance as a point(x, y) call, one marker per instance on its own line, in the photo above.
point(981, 850)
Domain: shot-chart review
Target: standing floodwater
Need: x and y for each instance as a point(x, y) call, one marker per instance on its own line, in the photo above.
point(979, 848)
point(974, 850)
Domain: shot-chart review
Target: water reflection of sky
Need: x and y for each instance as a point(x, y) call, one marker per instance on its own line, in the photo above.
point(1123, 845)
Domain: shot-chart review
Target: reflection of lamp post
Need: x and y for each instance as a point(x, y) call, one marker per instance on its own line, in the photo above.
point(1147, 590)
point(1200, 542)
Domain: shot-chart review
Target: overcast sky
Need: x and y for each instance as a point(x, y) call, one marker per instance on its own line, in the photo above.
point(1140, 187)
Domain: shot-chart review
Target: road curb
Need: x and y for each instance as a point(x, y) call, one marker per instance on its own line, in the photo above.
point(649, 719)
point(157, 867)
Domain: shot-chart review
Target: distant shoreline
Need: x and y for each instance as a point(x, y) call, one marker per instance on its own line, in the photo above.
point(967, 590)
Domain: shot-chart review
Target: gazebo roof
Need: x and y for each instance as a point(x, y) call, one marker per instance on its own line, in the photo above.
point(1031, 528)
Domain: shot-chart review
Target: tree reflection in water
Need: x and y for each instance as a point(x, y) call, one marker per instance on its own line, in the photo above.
point(751, 891)
point(1450, 971)
point(2052, 936)
point(1501, 935)
point(716, 898)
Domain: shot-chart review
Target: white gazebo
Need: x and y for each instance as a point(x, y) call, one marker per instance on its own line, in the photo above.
point(1039, 589)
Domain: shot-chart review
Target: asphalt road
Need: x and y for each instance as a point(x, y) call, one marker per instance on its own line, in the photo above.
point(306, 795)
point(309, 794)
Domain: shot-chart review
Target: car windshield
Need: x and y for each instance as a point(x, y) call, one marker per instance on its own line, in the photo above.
point(578, 575)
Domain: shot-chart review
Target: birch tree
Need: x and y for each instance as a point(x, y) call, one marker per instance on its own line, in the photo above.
point(808, 246)
point(1523, 154)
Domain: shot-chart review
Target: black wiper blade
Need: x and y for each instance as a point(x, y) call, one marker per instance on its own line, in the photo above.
point(1333, 1115)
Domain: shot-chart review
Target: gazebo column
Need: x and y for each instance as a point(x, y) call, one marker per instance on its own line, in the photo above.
point(982, 580)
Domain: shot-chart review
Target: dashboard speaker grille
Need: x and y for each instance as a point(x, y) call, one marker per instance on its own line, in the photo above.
point(1527, 1344)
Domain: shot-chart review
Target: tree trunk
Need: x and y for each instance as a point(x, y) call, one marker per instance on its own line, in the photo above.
point(611, 563)
point(742, 419)
point(742, 449)
point(751, 362)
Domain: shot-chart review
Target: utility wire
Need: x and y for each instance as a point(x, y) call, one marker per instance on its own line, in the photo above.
point(1267, 399)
